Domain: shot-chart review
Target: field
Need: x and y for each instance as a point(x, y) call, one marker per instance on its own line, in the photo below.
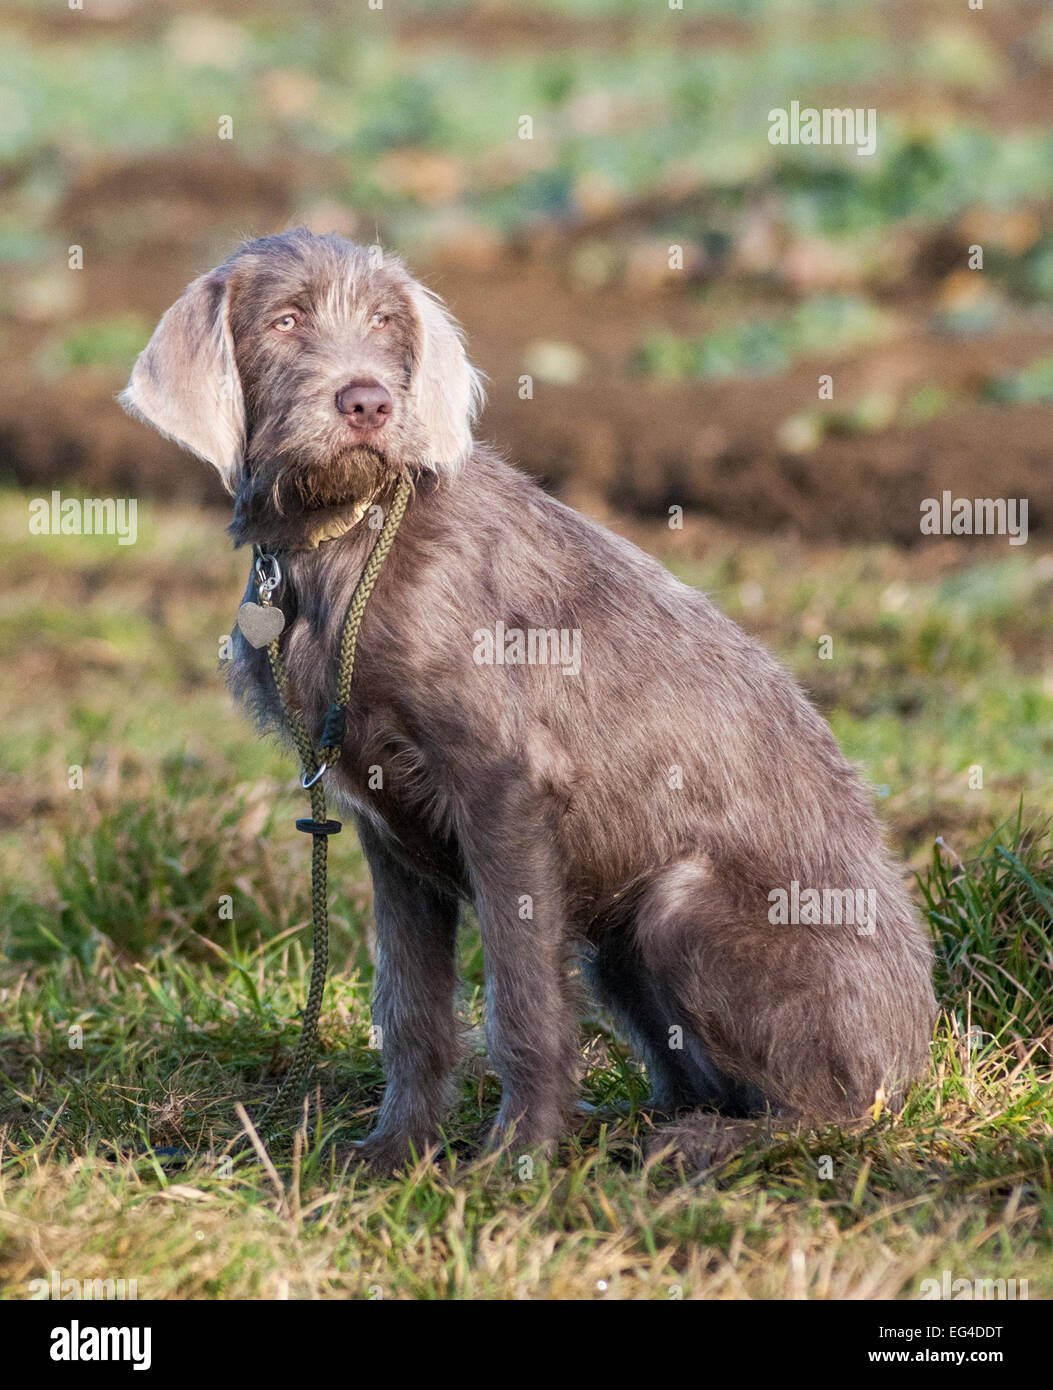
point(135, 1015)
point(649, 131)
point(677, 289)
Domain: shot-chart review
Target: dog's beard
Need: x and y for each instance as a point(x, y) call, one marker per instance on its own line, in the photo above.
point(286, 502)
point(352, 475)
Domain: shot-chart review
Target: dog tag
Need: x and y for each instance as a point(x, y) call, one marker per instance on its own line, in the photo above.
point(259, 625)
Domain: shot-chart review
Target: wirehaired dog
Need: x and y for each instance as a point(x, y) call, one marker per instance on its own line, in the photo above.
point(666, 801)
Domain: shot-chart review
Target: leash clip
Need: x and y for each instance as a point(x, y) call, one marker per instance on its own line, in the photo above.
point(308, 782)
point(268, 575)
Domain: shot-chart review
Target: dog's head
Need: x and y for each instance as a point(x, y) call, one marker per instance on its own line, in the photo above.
point(308, 371)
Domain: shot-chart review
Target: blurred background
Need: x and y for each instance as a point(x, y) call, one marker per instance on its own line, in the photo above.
point(652, 387)
point(650, 128)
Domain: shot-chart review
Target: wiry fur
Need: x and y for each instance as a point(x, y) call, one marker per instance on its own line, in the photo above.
point(507, 785)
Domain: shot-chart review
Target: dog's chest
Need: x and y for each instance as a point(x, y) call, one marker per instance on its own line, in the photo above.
point(382, 773)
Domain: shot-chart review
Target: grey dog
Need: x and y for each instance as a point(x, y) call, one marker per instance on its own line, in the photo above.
point(544, 723)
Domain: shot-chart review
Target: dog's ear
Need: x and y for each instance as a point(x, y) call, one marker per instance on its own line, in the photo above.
point(185, 382)
point(449, 390)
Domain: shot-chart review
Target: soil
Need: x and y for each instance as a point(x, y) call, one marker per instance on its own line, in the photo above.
point(614, 437)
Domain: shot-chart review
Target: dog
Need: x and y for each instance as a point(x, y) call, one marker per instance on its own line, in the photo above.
point(544, 723)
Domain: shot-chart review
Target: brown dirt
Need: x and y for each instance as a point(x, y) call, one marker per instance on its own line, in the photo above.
point(612, 437)
point(629, 442)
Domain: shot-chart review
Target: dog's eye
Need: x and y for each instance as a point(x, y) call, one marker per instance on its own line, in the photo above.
point(285, 324)
point(379, 320)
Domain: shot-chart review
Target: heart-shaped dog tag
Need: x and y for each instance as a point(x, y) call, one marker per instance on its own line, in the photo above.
point(259, 625)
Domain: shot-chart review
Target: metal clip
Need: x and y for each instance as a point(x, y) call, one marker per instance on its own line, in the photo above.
point(308, 782)
point(268, 575)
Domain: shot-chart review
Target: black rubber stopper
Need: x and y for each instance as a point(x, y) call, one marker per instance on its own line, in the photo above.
point(319, 827)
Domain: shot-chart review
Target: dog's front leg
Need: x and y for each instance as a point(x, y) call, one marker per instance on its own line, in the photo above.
point(531, 1022)
point(413, 1003)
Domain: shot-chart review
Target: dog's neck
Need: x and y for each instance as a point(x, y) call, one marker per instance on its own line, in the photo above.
point(306, 530)
point(276, 512)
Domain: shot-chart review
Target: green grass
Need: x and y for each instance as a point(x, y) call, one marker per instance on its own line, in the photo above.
point(960, 1180)
point(1033, 383)
point(109, 344)
point(831, 324)
point(644, 116)
point(992, 916)
point(137, 1011)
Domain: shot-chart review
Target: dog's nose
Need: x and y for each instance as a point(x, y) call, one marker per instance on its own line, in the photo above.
point(365, 403)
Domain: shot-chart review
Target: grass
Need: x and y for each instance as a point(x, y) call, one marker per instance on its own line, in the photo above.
point(643, 118)
point(961, 1180)
point(1033, 383)
point(993, 921)
point(151, 921)
point(830, 324)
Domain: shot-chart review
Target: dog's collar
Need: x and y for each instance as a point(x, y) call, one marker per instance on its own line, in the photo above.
point(330, 525)
point(315, 529)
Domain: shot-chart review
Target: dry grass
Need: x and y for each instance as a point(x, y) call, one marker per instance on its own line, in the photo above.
point(111, 926)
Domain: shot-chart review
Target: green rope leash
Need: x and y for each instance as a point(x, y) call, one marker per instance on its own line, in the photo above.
point(315, 763)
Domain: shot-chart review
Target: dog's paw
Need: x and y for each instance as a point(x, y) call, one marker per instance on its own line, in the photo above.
point(588, 1119)
point(385, 1154)
point(536, 1132)
point(704, 1141)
